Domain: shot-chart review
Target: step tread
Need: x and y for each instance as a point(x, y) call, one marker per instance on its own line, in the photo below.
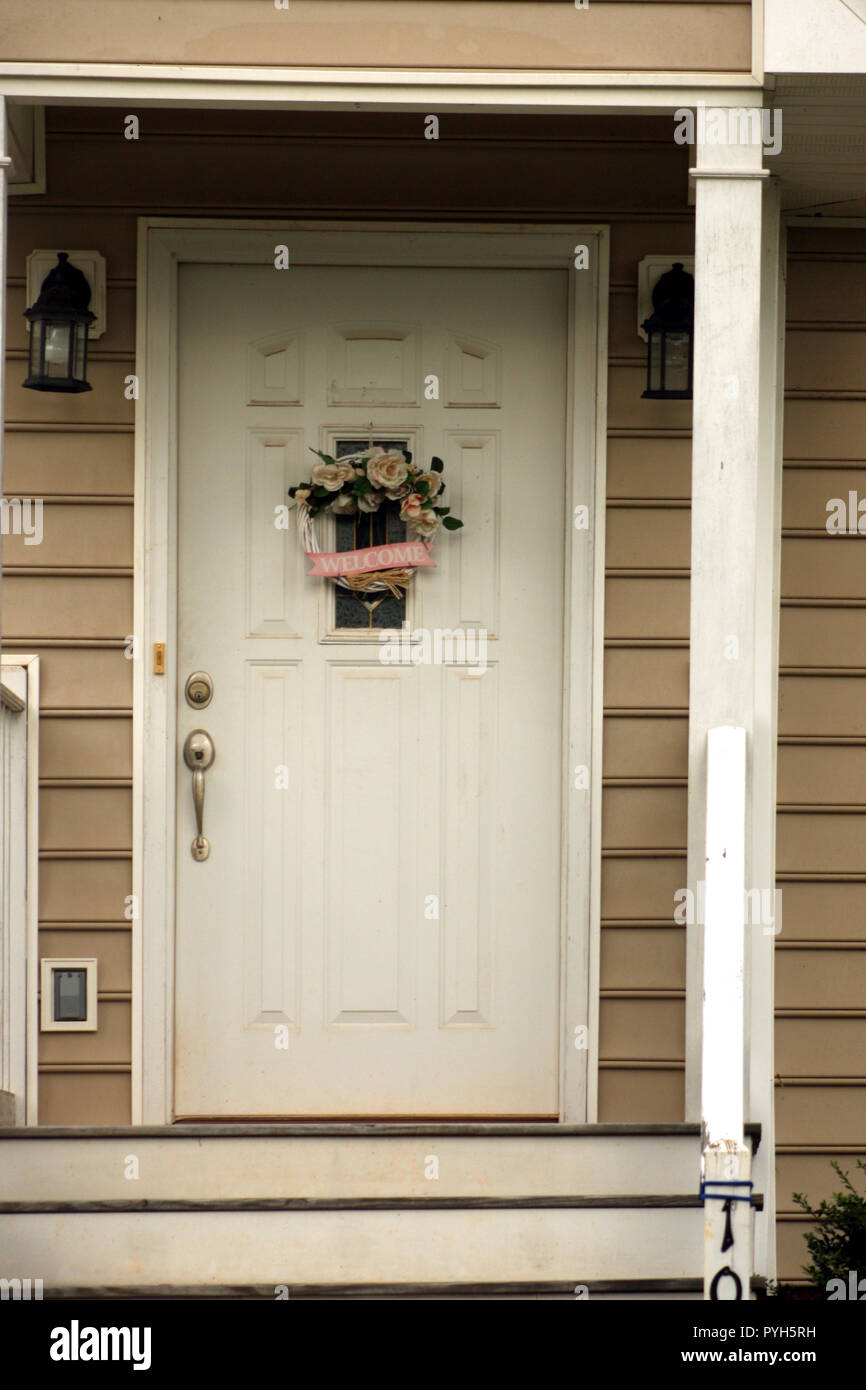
point(364, 1130)
point(529, 1288)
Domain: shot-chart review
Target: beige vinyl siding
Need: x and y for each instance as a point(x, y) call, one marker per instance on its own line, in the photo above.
point(643, 35)
point(821, 864)
point(70, 599)
point(646, 692)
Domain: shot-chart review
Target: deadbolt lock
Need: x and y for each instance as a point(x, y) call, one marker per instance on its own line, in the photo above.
point(199, 690)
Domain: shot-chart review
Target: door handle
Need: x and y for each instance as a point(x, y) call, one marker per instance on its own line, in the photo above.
point(198, 754)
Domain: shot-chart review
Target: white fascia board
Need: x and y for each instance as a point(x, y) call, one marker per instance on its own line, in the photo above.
point(367, 89)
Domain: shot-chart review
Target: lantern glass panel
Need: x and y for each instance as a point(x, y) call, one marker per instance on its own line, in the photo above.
point(656, 348)
point(677, 361)
point(79, 361)
point(37, 347)
point(57, 348)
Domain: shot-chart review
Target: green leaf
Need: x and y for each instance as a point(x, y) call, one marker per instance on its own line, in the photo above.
point(326, 458)
point(451, 523)
point(422, 489)
point(321, 492)
point(441, 511)
point(362, 486)
point(436, 465)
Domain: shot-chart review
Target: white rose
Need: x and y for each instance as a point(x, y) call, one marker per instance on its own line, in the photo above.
point(433, 481)
point(344, 505)
point(347, 471)
point(387, 470)
point(329, 475)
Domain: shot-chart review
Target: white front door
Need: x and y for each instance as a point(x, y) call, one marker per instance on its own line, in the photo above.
point(376, 931)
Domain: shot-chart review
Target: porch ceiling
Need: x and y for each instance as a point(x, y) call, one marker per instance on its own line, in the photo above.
point(822, 162)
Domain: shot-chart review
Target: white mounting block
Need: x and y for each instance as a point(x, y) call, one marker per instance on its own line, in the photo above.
point(92, 263)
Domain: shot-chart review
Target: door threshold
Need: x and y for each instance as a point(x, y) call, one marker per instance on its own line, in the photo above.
point(368, 1120)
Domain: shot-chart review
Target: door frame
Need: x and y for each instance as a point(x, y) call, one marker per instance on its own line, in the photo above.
point(163, 244)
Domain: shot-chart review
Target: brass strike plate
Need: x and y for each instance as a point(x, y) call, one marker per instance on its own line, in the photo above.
point(159, 658)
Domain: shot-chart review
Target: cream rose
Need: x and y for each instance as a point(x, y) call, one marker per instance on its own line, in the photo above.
point(412, 506)
point(369, 501)
point(387, 470)
point(329, 475)
point(425, 524)
point(344, 505)
point(397, 493)
point(433, 481)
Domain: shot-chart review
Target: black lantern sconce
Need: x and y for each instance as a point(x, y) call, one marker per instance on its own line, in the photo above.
point(670, 331)
point(59, 324)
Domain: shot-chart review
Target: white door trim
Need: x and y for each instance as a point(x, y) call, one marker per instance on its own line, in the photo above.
point(163, 244)
point(20, 949)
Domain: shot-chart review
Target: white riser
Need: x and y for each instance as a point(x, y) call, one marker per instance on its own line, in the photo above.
point(88, 1169)
point(351, 1247)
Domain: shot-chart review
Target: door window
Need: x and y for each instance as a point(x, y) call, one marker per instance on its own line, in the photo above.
point(377, 610)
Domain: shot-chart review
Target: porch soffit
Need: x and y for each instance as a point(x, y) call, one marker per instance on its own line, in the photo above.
point(822, 162)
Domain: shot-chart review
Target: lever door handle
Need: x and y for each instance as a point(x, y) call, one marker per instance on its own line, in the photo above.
point(198, 754)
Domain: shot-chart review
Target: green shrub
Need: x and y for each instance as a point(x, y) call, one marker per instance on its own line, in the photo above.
point(838, 1242)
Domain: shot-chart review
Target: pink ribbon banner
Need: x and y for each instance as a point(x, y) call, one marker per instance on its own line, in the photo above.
point(399, 555)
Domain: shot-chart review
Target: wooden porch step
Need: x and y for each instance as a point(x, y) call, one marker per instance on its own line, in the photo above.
point(354, 1210)
point(314, 1162)
point(361, 1245)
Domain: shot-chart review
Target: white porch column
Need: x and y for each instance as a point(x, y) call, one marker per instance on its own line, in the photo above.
point(734, 579)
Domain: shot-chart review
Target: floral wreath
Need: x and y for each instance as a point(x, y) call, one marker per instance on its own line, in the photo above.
point(360, 483)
